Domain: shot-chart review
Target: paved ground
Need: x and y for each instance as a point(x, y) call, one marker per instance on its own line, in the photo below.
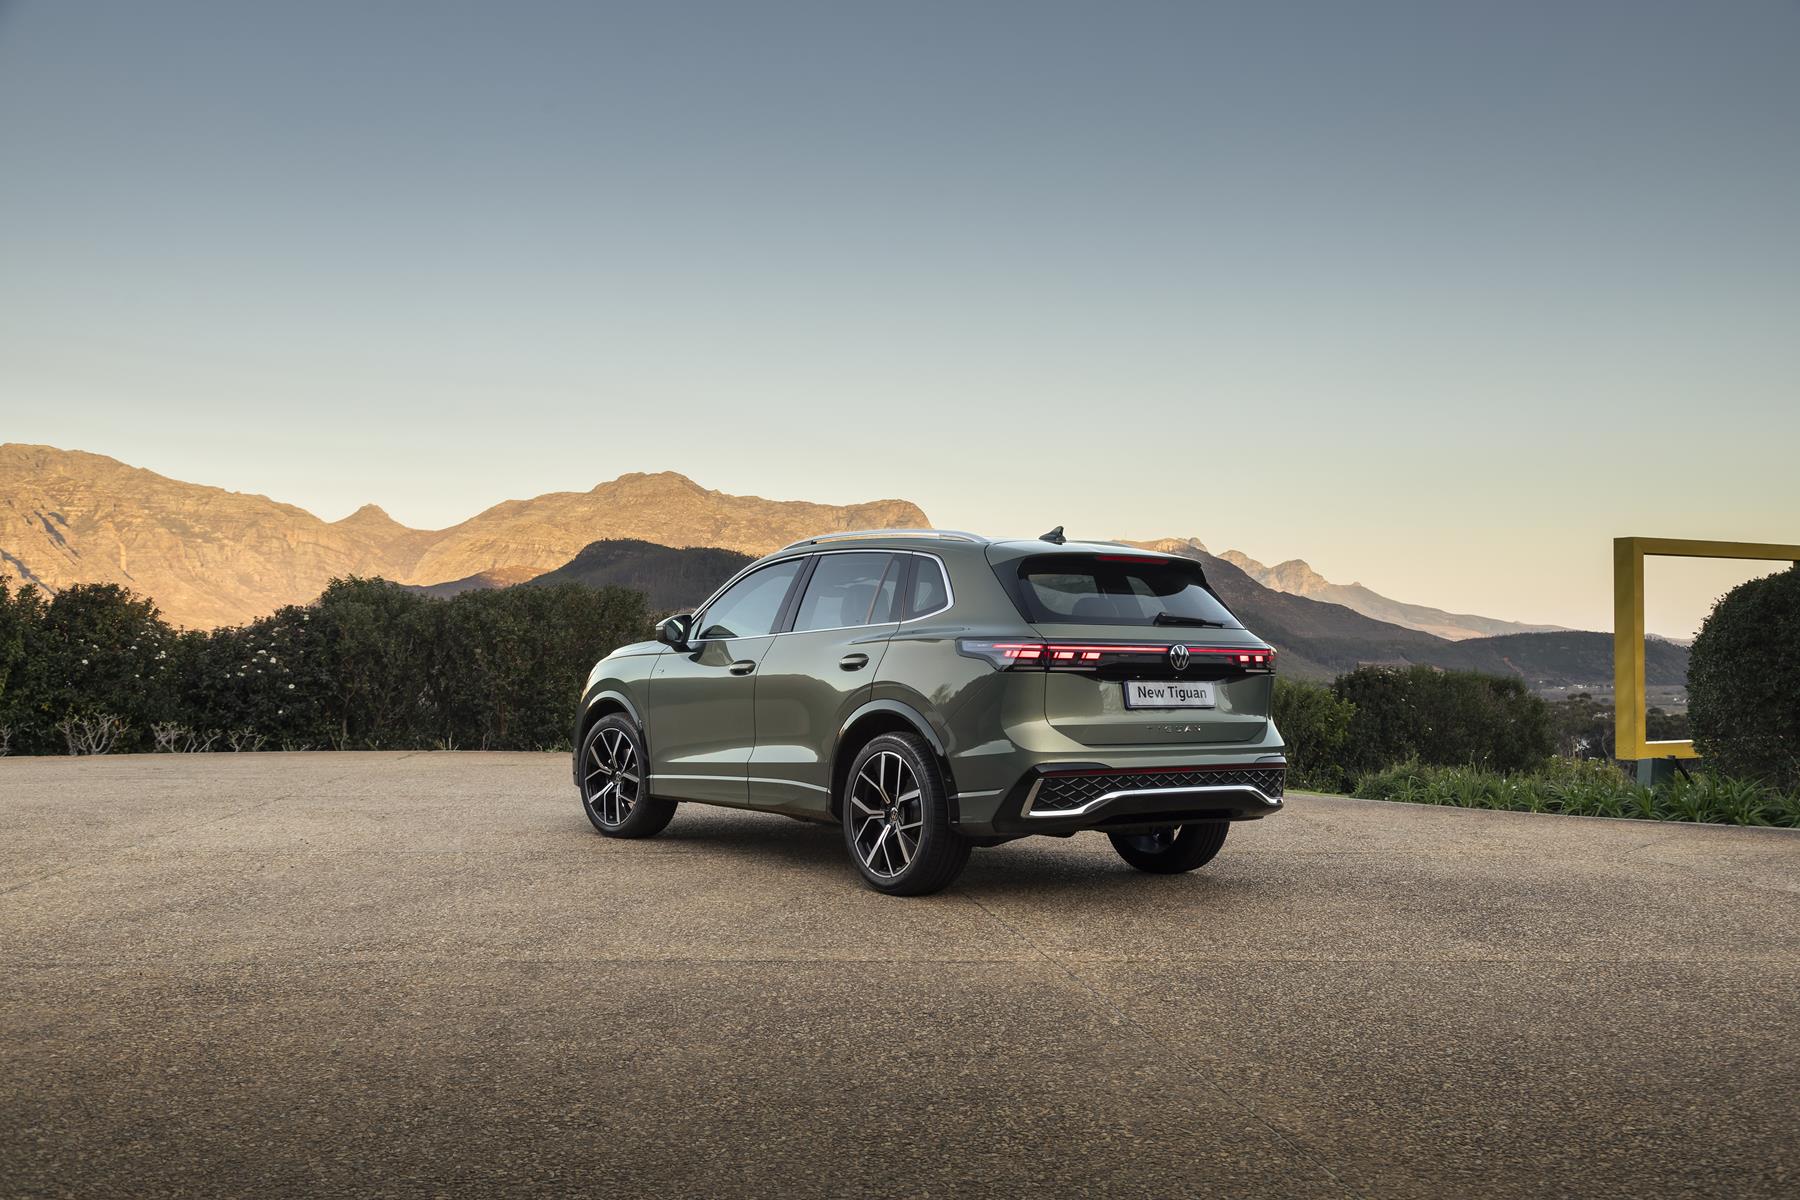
point(412, 974)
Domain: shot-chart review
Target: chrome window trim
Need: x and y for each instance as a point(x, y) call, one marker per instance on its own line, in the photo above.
point(943, 568)
point(1109, 797)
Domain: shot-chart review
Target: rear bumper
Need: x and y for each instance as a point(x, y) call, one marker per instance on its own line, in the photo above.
point(1064, 797)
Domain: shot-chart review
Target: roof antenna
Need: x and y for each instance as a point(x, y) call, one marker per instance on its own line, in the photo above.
point(1054, 537)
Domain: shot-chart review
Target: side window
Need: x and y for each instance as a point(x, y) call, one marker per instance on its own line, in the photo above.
point(929, 592)
point(749, 607)
point(843, 591)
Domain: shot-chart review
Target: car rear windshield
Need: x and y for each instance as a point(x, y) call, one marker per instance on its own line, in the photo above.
point(1118, 589)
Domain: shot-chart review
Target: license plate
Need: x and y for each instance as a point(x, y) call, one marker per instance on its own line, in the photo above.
point(1168, 693)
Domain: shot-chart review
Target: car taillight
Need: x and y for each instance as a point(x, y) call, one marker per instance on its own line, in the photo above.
point(1086, 656)
point(1006, 656)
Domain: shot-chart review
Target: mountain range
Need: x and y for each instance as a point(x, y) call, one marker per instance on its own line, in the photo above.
point(212, 557)
point(1297, 578)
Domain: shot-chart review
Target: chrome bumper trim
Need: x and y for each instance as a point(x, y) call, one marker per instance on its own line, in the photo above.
point(1109, 797)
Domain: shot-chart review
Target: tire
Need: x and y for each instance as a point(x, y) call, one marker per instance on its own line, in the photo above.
point(896, 818)
point(613, 792)
point(1173, 849)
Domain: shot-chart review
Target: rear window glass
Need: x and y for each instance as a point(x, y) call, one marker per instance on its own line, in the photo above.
point(1103, 589)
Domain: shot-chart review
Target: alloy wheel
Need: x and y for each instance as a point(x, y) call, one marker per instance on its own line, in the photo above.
point(888, 814)
point(611, 781)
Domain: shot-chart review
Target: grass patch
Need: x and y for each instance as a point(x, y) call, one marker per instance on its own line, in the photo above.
point(1584, 788)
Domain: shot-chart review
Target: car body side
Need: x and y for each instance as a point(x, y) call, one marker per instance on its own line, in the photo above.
point(993, 731)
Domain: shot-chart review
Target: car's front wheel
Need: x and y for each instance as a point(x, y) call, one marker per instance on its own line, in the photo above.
point(1172, 849)
point(615, 791)
point(897, 818)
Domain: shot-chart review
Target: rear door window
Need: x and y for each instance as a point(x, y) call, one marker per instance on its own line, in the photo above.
point(1118, 589)
point(847, 590)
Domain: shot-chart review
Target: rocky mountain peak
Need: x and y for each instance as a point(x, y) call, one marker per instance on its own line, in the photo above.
point(370, 515)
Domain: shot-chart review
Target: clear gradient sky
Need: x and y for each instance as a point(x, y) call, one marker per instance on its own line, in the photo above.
point(1438, 296)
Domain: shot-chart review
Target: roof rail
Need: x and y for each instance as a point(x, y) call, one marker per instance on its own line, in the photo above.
point(954, 535)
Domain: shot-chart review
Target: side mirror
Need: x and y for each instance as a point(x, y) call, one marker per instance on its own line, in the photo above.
point(673, 631)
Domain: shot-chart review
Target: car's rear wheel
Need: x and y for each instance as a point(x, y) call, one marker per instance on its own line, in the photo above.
point(1173, 848)
point(897, 818)
point(614, 783)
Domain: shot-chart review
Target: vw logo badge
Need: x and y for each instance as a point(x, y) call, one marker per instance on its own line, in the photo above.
point(1178, 657)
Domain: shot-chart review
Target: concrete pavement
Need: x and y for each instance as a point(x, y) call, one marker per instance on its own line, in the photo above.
point(414, 974)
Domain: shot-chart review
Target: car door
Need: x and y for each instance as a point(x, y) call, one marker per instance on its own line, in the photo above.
point(817, 671)
point(702, 718)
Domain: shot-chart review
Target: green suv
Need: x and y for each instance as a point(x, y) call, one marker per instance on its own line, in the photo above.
point(932, 691)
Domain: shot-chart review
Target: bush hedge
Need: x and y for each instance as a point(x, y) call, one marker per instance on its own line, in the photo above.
point(1583, 787)
point(1443, 718)
point(370, 665)
point(1315, 723)
point(1744, 682)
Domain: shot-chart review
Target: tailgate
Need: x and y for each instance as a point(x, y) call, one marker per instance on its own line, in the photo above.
point(1211, 690)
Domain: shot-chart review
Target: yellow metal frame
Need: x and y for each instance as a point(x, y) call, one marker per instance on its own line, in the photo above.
point(1631, 726)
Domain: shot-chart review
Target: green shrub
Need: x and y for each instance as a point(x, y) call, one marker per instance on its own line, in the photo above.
point(1443, 718)
point(370, 665)
point(1315, 725)
point(1744, 682)
point(1584, 787)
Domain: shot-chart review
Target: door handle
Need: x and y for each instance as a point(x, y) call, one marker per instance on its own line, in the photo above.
point(743, 666)
point(853, 662)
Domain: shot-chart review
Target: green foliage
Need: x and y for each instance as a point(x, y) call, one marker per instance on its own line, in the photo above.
point(370, 665)
point(1585, 788)
point(1584, 726)
point(1315, 724)
point(90, 651)
point(1744, 681)
point(1444, 718)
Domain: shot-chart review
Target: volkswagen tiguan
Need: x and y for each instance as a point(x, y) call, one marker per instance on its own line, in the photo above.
point(932, 691)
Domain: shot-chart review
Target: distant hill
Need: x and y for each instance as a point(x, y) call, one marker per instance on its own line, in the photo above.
point(211, 557)
point(1571, 657)
point(667, 509)
point(671, 578)
point(1297, 578)
point(480, 581)
point(206, 556)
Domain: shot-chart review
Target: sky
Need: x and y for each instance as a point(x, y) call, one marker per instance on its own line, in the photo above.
point(1440, 297)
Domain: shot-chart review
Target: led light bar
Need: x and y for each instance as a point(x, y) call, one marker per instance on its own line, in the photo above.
point(1051, 656)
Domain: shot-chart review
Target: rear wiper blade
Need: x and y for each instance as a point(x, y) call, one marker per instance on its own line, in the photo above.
point(1169, 618)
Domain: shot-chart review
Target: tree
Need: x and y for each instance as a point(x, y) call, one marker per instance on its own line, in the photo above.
point(1315, 725)
point(1444, 718)
point(1744, 682)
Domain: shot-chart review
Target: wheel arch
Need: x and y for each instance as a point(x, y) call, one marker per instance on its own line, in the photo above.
point(869, 722)
point(603, 703)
